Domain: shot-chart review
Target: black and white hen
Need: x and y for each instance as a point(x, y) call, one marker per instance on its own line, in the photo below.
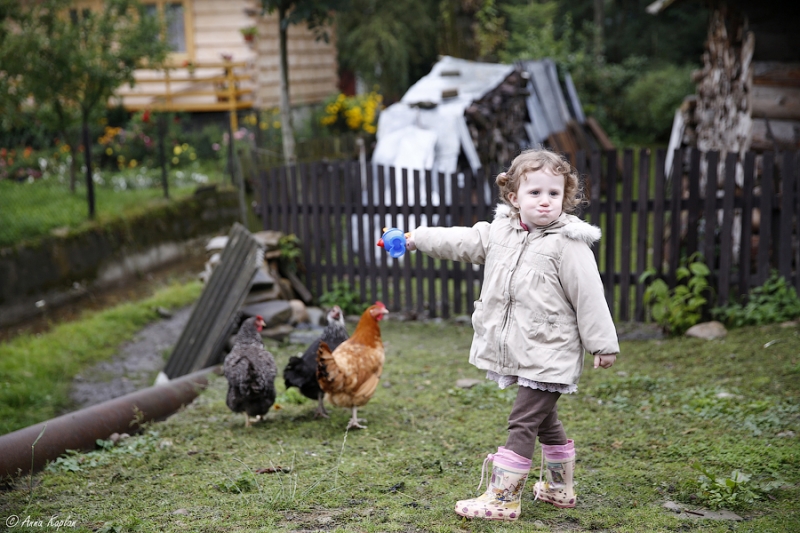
point(301, 372)
point(251, 371)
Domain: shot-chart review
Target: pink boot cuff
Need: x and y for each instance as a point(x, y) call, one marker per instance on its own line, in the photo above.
point(507, 458)
point(559, 452)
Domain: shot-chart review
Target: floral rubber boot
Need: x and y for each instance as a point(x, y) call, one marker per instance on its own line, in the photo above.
point(502, 499)
point(558, 461)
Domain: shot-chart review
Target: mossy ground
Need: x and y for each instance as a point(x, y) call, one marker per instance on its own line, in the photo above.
point(729, 404)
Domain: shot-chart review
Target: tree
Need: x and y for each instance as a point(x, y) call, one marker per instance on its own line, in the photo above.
point(316, 14)
point(70, 62)
point(390, 44)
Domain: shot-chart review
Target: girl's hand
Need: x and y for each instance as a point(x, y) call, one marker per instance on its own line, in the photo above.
point(410, 245)
point(604, 360)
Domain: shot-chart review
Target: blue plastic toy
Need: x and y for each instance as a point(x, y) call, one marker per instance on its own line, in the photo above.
point(393, 241)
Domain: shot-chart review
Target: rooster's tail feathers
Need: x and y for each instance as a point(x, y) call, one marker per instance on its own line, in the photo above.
point(326, 364)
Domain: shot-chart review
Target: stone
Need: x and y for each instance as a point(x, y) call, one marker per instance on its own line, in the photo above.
point(305, 336)
point(672, 506)
point(317, 316)
point(278, 333)
point(287, 292)
point(217, 243)
point(273, 312)
point(467, 383)
point(299, 313)
point(263, 279)
point(465, 320)
point(707, 330)
point(262, 295)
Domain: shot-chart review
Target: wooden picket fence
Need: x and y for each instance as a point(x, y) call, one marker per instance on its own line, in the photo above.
point(650, 221)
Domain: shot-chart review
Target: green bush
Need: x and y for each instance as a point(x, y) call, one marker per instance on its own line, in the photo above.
point(774, 301)
point(650, 103)
point(678, 309)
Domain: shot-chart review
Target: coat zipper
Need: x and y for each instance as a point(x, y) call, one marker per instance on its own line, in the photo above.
point(505, 329)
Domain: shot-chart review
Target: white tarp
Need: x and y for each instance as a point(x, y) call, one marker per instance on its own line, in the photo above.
point(400, 138)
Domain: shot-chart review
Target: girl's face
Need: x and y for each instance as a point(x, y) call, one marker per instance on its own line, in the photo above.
point(539, 198)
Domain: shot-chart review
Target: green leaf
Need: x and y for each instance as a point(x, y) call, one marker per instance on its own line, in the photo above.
point(699, 269)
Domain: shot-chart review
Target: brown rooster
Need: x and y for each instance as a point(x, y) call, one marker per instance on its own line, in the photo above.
point(250, 370)
point(349, 375)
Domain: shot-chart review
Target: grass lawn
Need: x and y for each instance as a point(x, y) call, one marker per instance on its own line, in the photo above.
point(730, 404)
point(36, 371)
point(32, 210)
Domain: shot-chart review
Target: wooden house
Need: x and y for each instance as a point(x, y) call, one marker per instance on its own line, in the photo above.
point(215, 65)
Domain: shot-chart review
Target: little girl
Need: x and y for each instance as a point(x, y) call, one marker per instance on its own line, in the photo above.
point(541, 306)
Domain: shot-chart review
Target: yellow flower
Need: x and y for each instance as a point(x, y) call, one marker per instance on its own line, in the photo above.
point(185, 146)
point(120, 158)
point(192, 156)
point(177, 150)
point(276, 124)
point(263, 125)
point(109, 151)
point(132, 163)
point(175, 160)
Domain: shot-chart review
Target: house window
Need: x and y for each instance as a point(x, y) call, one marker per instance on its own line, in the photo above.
point(174, 14)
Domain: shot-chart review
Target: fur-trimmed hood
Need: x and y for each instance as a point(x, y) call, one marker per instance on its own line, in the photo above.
point(568, 225)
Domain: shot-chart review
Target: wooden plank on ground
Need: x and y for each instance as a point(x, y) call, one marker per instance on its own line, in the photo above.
point(212, 320)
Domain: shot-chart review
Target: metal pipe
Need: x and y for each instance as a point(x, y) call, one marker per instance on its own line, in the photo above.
point(80, 430)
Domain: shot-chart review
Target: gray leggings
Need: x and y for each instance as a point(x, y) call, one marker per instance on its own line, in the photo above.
point(534, 413)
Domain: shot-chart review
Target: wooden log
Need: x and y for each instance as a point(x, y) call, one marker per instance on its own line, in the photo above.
point(775, 134)
point(599, 133)
point(776, 102)
point(776, 73)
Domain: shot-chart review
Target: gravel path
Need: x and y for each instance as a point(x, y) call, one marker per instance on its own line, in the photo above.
point(135, 367)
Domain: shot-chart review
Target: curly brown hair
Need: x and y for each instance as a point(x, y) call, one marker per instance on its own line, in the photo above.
point(537, 159)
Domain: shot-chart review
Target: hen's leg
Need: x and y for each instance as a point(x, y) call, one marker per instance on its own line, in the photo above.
point(321, 412)
point(354, 421)
point(246, 420)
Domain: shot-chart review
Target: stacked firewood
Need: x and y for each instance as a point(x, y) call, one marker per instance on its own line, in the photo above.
point(496, 121)
point(719, 117)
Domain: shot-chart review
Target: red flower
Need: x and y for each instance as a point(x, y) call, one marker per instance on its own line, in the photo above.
point(146, 116)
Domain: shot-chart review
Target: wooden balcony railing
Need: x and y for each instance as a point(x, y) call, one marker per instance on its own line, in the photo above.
point(193, 87)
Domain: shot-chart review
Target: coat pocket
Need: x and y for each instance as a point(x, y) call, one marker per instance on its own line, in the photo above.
point(478, 319)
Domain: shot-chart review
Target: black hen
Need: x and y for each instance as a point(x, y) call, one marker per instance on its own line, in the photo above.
point(301, 372)
point(251, 371)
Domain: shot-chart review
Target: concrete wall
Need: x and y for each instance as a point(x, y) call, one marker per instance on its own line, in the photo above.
point(59, 268)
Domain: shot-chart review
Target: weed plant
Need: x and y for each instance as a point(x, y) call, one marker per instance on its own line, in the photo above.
point(774, 301)
point(729, 406)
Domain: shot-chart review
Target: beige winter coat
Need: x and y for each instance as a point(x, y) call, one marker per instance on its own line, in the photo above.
point(542, 302)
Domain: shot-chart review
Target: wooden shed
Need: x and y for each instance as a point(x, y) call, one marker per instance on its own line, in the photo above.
point(476, 114)
point(748, 91)
point(214, 66)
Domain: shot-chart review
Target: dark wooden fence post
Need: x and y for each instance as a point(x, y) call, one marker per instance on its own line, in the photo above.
point(642, 212)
